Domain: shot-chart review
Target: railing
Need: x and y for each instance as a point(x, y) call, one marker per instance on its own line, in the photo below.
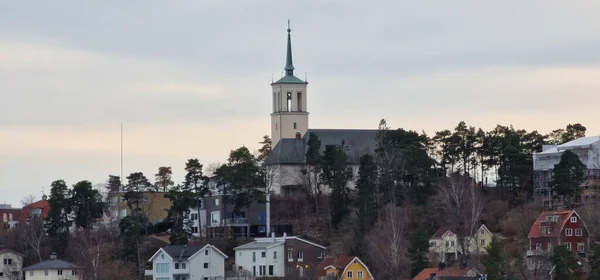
point(535, 253)
point(236, 221)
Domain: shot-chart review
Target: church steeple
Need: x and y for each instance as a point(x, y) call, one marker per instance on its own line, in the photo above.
point(289, 66)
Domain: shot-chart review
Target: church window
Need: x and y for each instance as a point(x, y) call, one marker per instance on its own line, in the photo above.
point(289, 101)
point(278, 102)
point(274, 102)
point(294, 125)
point(299, 96)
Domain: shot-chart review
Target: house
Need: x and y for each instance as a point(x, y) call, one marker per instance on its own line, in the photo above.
point(10, 216)
point(155, 205)
point(185, 262)
point(448, 273)
point(11, 265)
point(343, 267)
point(290, 132)
point(555, 228)
point(52, 269)
point(40, 208)
point(250, 221)
point(446, 244)
point(587, 148)
point(287, 256)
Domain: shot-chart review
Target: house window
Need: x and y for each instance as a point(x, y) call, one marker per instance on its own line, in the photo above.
point(573, 219)
point(569, 232)
point(549, 247)
point(359, 274)
point(538, 246)
point(447, 243)
point(205, 265)
point(289, 102)
point(432, 244)
point(31, 273)
point(7, 261)
point(216, 202)
point(183, 265)
point(300, 256)
point(176, 265)
point(262, 270)
point(270, 270)
point(482, 242)
point(1, 274)
point(274, 255)
point(580, 247)
point(194, 229)
point(253, 256)
point(578, 232)
point(320, 255)
point(263, 254)
point(194, 217)
point(206, 252)
point(452, 243)
point(295, 125)
point(162, 268)
point(349, 274)
point(543, 230)
point(59, 272)
point(549, 230)
point(215, 216)
point(481, 231)
point(568, 245)
point(290, 256)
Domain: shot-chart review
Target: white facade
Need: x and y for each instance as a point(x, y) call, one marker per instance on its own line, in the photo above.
point(261, 258)
point(194, 218)
point(206, 262)
point(290, 115)
point(291, 175)
point(587, 148)
point(11, 265)
point(52, 274)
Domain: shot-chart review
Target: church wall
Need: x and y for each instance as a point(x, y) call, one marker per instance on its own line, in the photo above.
point(283, 118)
point(290, 175)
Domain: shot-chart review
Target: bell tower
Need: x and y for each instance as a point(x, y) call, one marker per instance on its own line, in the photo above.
point(290, 115)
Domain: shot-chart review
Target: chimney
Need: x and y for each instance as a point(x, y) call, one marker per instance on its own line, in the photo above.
point(53, 256)
point(284, 234)
point(272, 236)
point(298, 136)
point(44, 197)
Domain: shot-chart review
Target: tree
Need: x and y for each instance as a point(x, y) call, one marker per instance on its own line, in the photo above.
point(565, 263)
point(58, 217)
point(86, 204)
point(334, 174)
point(417, 251)
point(240, 179)
point(114, 183)
point(162, 179)
point(265, 149)
point(29, 199)
point(495, 261)
point(34, 233)
point(137, 184)
point(594, 261)
point(573, 131)
point(567, 177)
point(365, 202)
point(132, 228)
point(182, 199)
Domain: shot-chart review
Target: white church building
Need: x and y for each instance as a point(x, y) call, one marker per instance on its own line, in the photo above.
point(290, 131)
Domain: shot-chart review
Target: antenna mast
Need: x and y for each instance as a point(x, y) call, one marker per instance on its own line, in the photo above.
point(122, 154)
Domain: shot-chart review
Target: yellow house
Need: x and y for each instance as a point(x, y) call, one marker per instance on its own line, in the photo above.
point(445, 242)
point(343, 267)
point(155, 206)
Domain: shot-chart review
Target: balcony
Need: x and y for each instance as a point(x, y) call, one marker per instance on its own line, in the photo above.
point(536, 253)
point(148, 272)
point(232, 222)
point(185, 270)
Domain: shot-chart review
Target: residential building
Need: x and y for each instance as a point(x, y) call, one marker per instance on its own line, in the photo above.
point(588, 150)
point(52, 269)
point(446, 244)
point(11, 265)
point(448, 273)
point(155, 205)
point(40, 209)
point(187, 262)
point(287, 256)
point(249, 221)
point(343, 267)
point(10, 216)
point(290, 132)
point(555, 228)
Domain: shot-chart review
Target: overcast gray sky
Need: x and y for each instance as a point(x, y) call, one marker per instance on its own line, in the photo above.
point(191, 78)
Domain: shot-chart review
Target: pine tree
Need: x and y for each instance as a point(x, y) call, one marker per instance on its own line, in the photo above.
point(86, 203)
point(162, 179)
point(367, 207)
point(565, 263)
point(495, 260)
point(417, 251)
point(594, 261)
point(58, 221)
point(567, 176)
point(335, 175)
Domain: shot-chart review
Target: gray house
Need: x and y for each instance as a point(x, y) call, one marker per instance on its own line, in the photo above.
point(52, 269)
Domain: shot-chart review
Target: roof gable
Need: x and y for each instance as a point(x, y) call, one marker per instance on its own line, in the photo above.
point(359, 261)
point(208, 246)
point(160, 250)
point(446, 272)
point(563, 217)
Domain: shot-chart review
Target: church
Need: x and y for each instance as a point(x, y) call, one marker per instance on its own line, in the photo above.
point(290, 131)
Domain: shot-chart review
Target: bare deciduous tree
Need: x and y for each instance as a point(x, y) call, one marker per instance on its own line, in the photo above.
point(388, 242)
point(33, 233)
point(29, 199)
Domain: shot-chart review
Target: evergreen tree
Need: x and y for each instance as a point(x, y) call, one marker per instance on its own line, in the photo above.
point(87, 205)
point(114, 183)
point(417, 251)
point(594, 261)
point(567, 177)
point(335, 174)
point(132, 230)
point(162, 179)
point(565, 263)
point(265, 149)
point(495, 261)
point(137, 184)
point(367, 207)
point(182, 199)
point(58, 217)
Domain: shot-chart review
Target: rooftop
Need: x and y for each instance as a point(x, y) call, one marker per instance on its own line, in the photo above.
point(52, 264)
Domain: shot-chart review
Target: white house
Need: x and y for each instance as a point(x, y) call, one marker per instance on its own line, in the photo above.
point(11, 265)
point(187, 262)
point(287, 256)
point(52, 269)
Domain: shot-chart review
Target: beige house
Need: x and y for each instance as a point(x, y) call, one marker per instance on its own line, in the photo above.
point(445, 243)
point(52, 269)
point(11, 265)
point(155, 206)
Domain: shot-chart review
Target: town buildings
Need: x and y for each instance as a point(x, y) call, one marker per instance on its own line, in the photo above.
point(155, 206)
point(287, 256)
point(446, 243)
point(588, 150)
point(186, 262)
point(290, 132)
point(52, 269)
point(555, 228)
point(10, 216)
point(343, 267)
point(40, 209)
point(11, 265)
point(448, 273)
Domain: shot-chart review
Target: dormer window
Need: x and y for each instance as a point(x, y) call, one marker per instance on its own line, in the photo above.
point(573, 219)
point(543, 230)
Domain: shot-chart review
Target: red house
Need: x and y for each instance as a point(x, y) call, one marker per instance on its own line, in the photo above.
point(39, 208)
point(554, 228)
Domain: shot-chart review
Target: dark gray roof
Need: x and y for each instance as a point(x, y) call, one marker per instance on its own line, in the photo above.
point(357, 141)
point(51, 265)
point(182, 252)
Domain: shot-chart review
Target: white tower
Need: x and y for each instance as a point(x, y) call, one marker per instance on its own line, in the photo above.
point(290, 116)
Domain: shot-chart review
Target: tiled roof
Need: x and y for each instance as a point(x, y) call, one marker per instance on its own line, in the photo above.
point(448, 271)
point(51, 265)
point(357, 141)
point(339, 262)
point(536, 230)
point(44, 204)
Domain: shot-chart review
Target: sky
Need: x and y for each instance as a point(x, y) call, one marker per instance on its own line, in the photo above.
point(191, 79)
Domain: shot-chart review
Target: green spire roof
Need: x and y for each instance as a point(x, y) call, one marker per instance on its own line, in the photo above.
point(289, 77)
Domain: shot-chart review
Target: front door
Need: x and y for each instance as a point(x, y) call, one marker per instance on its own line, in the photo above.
point(301, 271)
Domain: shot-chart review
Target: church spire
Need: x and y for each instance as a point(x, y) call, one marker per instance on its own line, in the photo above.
point(289, 66)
